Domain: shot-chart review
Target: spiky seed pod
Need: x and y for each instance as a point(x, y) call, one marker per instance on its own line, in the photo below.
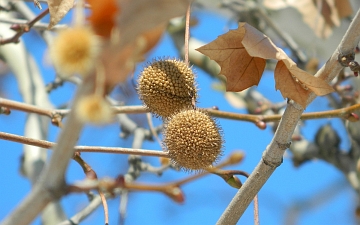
point(94, 109)
point(167, 86)
point(74, 51)
point(193, 140)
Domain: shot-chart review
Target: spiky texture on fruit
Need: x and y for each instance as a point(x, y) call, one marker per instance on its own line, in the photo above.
point(167, 86)
point(193, 140)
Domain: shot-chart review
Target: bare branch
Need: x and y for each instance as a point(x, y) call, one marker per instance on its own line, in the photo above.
point(23, 28)
point(98, 149)
point(272, 157)
point(344, 113)
point(51, 184)
point(39, 25)
point(80, 216)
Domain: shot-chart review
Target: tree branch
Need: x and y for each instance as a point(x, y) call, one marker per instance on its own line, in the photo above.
point(98, 149)
point(258, 120)
point(23, 28)
point(272, 156)
point(51, 183)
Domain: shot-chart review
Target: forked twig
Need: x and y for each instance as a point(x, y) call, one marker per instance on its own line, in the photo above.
point(23, 28)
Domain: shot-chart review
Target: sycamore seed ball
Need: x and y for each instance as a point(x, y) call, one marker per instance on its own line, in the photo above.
point(193, 140)
point(74, 51)
point(167, 86)
point(94, 109)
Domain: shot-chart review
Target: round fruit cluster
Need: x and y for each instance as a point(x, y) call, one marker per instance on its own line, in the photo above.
point(191, 137)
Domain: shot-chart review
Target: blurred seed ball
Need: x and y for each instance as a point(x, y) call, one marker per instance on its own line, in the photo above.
point(74, 51)
point(193, 140)
point(94, 109)
point(236, 157)
point(167, 86)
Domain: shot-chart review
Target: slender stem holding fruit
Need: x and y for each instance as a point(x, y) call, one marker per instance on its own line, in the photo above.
point(187, 34)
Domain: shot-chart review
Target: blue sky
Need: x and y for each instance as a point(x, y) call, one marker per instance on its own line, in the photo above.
point(288, 189)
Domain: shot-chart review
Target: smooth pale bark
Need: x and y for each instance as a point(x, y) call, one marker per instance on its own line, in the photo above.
point(272, 156)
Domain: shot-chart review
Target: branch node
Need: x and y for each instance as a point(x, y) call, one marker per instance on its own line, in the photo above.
point(346, 58)
point(56, 119)
point(5, 110)
point(55, 193)
point(272, 164)
point(283, 146)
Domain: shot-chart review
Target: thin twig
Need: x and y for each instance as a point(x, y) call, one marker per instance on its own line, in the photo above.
point(300, 55)
point(98, 149)
point(187, 34)
point(23, 28)
point(256, 210)
point(91, 174)
point(39, 25)
point(37, 4)
point(151, 127)
point(25, 107)
point(85, 212)
point(52, 185)
point(105, 205)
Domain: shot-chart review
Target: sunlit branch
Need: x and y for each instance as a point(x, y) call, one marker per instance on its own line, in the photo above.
point(98, 149)
point(171, 189)
point(273, 155)
point(25, 107)
point(344, 113)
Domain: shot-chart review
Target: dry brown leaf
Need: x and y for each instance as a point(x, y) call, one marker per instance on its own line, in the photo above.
point(317, 85)
point(138, 28)
point(314, 17)
point(297, 84)
point(152, 37)
point(241, 55)
point(258, 44)
point(240, 69)
point(142, 15)
point(58, 9)
point(327, 11)
point(288, 86)
point(320, 15)
point(118, 65)
point(102, 17)
point(344, 8)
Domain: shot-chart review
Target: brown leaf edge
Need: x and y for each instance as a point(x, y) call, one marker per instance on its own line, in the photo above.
point(258, 46)
point(58, 9)
point(297, 84)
